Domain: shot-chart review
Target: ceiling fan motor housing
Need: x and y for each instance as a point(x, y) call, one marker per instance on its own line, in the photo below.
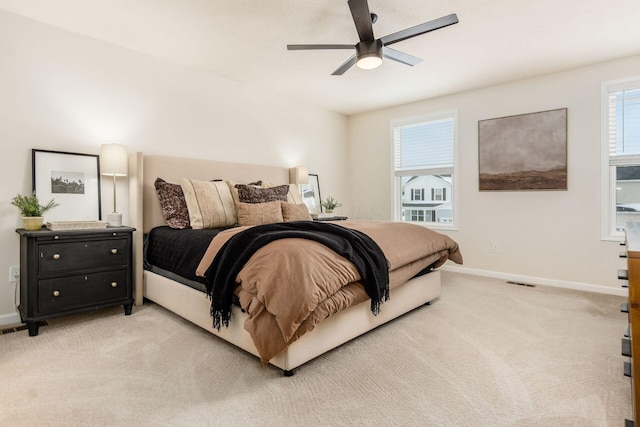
point(369, 54)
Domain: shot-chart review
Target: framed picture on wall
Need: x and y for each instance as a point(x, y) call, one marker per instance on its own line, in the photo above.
point(523, 152)
point(72, 179)
point(311, 194)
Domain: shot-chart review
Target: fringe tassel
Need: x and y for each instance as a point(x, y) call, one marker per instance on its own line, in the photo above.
point(220, 318)
point(375, 304)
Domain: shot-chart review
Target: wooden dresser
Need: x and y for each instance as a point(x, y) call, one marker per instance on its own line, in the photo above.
point(631, 346)
point(66, 272)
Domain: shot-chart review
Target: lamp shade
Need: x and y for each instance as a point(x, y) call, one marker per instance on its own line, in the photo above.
point(299, 175)
point(113, 160)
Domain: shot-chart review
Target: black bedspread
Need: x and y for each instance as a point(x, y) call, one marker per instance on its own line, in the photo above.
point(178, 251)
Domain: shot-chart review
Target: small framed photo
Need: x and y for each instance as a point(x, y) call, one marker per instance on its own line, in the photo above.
point(72, 179)
point(311, 194)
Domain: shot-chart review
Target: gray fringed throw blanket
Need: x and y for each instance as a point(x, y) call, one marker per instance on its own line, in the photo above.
point(351, 244)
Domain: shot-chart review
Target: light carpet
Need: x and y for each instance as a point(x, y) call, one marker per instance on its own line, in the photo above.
point(486, 353)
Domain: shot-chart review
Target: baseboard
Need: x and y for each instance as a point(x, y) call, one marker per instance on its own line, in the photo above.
point(532, 280)
point(9, 319)
point(14, 318)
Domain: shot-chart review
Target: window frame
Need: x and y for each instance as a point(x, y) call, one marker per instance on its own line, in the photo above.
point(396, 193)
point(609, 230)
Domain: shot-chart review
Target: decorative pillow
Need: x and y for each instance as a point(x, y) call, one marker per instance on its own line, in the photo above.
point(293, 212)
point(234, 190)
point(251, 194)
point(172, 203)
point(259, 213)
point(293, 196)
point(210, 203)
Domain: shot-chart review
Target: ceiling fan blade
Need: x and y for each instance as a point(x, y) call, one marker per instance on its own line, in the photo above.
point(362, 19)
point(436, 24)
point(319, 46)
point(344, 67)
point(402, 57)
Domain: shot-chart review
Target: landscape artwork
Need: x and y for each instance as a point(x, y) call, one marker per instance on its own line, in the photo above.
point(67, 182)
point(523, 152)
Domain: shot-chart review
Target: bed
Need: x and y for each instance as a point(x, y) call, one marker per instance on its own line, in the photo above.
point(191, 304)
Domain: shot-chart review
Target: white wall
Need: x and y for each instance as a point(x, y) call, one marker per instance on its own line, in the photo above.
point(551, 237)
point(61, 91)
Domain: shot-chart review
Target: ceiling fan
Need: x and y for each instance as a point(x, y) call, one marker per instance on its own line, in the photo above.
point(369, 50)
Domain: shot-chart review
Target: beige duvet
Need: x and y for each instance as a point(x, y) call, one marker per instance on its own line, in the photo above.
point(290, 285)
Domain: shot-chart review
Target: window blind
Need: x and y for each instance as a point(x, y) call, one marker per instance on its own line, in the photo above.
point(624, 123)
point(424, 145)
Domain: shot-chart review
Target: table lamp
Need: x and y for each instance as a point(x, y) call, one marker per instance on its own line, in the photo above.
point(114, 162)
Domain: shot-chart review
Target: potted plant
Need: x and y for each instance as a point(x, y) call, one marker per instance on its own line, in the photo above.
point(31, 210)
point(330, 204)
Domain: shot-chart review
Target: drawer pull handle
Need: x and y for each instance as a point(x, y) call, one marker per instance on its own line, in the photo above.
point(114, 251)
point(114, 284)
point(56, 256)
point(56, 293)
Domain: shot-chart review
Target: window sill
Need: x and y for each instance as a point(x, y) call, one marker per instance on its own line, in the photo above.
point(433, 225)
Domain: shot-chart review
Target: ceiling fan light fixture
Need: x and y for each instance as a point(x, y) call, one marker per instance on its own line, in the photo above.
point(369, 54)
point(369, 62)
point(369, 50)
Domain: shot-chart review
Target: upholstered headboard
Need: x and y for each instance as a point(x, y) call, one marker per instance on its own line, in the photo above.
point(144, 207)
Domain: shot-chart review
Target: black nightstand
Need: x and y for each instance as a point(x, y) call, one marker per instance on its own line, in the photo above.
point(331, 218)
point(67, 272)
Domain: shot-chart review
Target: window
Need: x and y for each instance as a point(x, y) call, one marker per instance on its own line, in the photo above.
point(438, 193)
point(621, 155)
point(417, 194)
point(417, 215)
point(424, 155)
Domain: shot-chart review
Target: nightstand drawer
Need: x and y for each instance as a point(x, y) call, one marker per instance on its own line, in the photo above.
point(81, 290)
point(82, 255)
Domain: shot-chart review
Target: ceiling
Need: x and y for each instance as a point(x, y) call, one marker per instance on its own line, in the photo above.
point(494, 42)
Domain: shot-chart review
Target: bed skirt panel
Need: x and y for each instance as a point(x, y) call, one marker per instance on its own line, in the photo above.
point(341, 327)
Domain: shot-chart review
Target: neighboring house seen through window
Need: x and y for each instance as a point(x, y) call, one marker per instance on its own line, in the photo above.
point(621, 155)
point(424, 166)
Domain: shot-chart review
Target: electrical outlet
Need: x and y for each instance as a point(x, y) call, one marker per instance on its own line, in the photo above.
point(14, 273)
point(495, 247)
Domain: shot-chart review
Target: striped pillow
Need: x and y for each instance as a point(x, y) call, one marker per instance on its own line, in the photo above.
point(210, 203)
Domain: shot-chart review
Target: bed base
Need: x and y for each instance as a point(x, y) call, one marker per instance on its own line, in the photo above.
point(332, 332)
point(191, 304)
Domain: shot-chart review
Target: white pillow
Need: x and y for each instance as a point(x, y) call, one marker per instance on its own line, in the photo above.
point(294, 195)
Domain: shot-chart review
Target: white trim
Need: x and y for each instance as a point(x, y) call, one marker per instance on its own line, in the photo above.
point(605, 193)
point(533, 280)
point(9, 319)
point(396, 205)
point(455, 199)
point(607, 180)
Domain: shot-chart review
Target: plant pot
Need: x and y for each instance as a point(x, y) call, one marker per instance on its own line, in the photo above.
point(32, 223)
point(328, 210)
